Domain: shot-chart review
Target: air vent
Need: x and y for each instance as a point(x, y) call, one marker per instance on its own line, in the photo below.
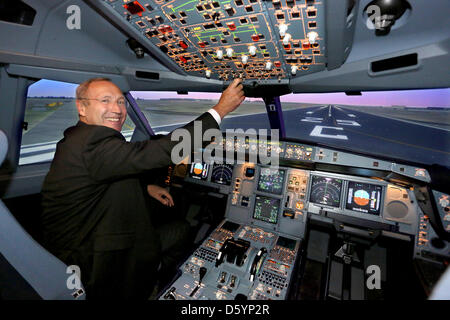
point(147, 75)
point(16, 12)
point(395, 63)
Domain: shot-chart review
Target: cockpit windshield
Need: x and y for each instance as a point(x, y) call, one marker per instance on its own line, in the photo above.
point(405, 125)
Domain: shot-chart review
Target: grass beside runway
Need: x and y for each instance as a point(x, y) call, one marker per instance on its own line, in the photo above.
point(167, 112)
point(38, 109)
point(439, 118)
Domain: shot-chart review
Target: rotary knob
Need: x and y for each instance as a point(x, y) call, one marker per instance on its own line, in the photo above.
point(282, 28)
point(312, 37)
point(444, 202)
point(294, 70)
point(286, 39)
point(252, 50)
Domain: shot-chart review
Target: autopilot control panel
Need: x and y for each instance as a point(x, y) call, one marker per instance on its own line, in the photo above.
point(251, 39)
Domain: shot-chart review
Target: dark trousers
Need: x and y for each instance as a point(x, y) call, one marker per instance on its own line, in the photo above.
point(175, 241)
point(129, 272)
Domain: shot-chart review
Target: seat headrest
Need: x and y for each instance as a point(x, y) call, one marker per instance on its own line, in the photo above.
point(3, 146)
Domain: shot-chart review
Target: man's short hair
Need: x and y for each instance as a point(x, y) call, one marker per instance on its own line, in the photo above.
point(83, 88)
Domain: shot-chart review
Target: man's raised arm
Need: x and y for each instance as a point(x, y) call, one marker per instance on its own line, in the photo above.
point(109, 157)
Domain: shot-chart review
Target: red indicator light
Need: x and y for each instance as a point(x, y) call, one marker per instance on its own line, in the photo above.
point(305, 45)
point(134, 8)
point(165, 29)
point(231, 26)
point(183, 44)
point(183, 60)
point(287, 47)
point(277, 64)
point(255, 37)
point(202, 44)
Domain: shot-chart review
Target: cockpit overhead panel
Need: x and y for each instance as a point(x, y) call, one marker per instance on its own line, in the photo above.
point(252, 39)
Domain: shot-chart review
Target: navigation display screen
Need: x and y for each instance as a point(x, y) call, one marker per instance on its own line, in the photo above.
point(271, 180)
point(199, 170)
point(222, 174)
point(326, 191)
point(266, 209)
point(364, 197)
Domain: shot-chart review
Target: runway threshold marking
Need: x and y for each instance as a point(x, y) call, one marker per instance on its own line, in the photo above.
point(317, 132)
point(338, 123)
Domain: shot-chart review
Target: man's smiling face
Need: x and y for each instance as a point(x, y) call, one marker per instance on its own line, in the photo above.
point(103, 105)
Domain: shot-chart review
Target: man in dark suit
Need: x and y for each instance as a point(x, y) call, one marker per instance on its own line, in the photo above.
point(95, 212)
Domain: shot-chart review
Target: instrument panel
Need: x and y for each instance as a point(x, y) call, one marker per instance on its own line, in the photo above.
point(254, 251)
point(301, 192)
point(251, 39)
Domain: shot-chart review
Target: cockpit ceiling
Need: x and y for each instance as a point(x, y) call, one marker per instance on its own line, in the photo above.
point(252, 39)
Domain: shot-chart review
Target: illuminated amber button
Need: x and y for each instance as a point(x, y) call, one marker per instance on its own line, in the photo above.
point(299, 205)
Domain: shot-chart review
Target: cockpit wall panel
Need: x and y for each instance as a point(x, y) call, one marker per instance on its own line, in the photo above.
point(423, 30)
point(203, 44)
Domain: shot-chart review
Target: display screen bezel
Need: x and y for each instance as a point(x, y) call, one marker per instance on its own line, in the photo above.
point(346, 207)
point(282, 184)
point(259, 218)
point(205, 167)
point(313, 176)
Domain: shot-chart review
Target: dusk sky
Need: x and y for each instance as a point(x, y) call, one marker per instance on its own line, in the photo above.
point(415, 98)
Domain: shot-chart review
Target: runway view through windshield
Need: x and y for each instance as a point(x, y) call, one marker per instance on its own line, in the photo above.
point(418, 134)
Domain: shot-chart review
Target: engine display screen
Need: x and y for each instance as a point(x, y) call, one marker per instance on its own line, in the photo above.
point(326, 191)
point(364, 197)
point(199, 170)
point(271, 180)
point(266, 209)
